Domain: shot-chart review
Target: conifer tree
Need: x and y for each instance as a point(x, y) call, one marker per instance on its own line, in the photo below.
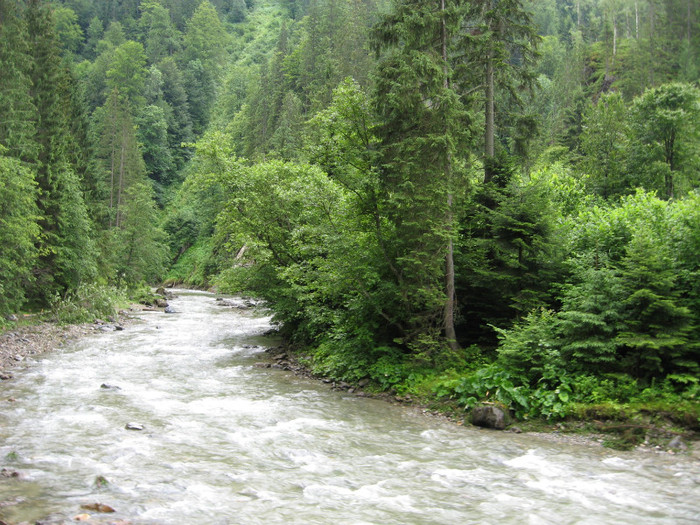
point(499, 44)
point(17, 111)
point(66, 248)
point(19, 231)
point(424, 125)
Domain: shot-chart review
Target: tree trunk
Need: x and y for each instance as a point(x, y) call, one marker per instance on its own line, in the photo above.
point(121, 185)
point(578, 14)
point(636, 20)
point(614, 21)
point(489, 132)
point(449, 324)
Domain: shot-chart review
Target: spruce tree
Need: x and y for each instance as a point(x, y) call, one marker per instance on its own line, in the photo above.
point(654, 340)
point(66, 248)
point(17, 111)
point(424, 124)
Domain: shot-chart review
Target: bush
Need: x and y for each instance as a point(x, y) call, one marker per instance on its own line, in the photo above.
point(87, 303)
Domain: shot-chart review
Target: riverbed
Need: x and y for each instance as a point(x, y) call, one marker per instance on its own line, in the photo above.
point(216, 439)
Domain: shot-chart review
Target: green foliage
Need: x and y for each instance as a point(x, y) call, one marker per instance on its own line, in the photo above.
point(531, 349)
point(142, 252)
point(605, 142)
point(86, 303)
point(666, 127)
point(195, 266)
point(19, 231)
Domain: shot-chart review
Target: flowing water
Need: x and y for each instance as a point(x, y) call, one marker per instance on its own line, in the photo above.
point(226, 442)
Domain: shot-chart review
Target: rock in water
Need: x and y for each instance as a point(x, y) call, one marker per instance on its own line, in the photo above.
point(134, 426)
point(169, 310)
point(489, 416)
point(677, 443)
point(97, 507)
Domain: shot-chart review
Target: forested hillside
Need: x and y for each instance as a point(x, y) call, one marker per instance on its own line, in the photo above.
point(472, 199)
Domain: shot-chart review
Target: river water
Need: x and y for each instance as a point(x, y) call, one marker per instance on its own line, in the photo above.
point(226, 442)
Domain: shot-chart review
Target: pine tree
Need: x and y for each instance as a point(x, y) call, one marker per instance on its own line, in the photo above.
point(17, 111)
point(424, 125)
point(19, 231)
point(66, 248)
point(499, 44)
point(655, 338)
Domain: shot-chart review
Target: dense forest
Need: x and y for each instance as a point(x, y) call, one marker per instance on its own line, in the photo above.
point(485, 199)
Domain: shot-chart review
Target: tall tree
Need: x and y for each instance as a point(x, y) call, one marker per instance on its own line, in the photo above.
point(17, 110)
point(118, 151)
point(19, 231)
point(666, 126)
point(66, 248)
point(424, 127)
point(500, 46)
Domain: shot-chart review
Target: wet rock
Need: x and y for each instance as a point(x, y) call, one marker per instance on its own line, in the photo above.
point(515, 430)
point(7, 473)
point(262, 365)
point(134, 426)
point(169, 310)
point(119, 328)
point(489, 416)
point(280, 357)
point(161, 303)
point(677, 443)
point(363, 382)
point(106, 328)
point(107, 386)
point(81, 517)
point(101, 482)
point(97, 507)
point(5, 376)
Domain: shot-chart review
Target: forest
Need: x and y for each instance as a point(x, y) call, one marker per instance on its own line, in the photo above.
point(485, 200)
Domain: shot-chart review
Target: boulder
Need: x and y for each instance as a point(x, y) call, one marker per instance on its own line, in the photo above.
point(169, 310)
point(677, 443)
point(134, 426)
point(161, 303)
point(490, 416)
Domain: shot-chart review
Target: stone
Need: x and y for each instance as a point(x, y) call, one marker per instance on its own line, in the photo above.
point(677, 443)
point(134, 426)
point(4, 376)
point(363, 382)
point(107, 386)
point(169, 310)
point(280, 357)
point(161, 303)
point(489, 416)
point(119, 328)
point(12, 318)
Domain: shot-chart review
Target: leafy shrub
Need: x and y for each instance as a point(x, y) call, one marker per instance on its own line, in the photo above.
point(87, 303)
point(529, 350)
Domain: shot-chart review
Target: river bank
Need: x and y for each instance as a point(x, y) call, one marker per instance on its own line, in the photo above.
point(30, 337)
point(22, 343)
point(664, 438)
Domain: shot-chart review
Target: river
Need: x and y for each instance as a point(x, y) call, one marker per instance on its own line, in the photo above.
point(226, 442)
